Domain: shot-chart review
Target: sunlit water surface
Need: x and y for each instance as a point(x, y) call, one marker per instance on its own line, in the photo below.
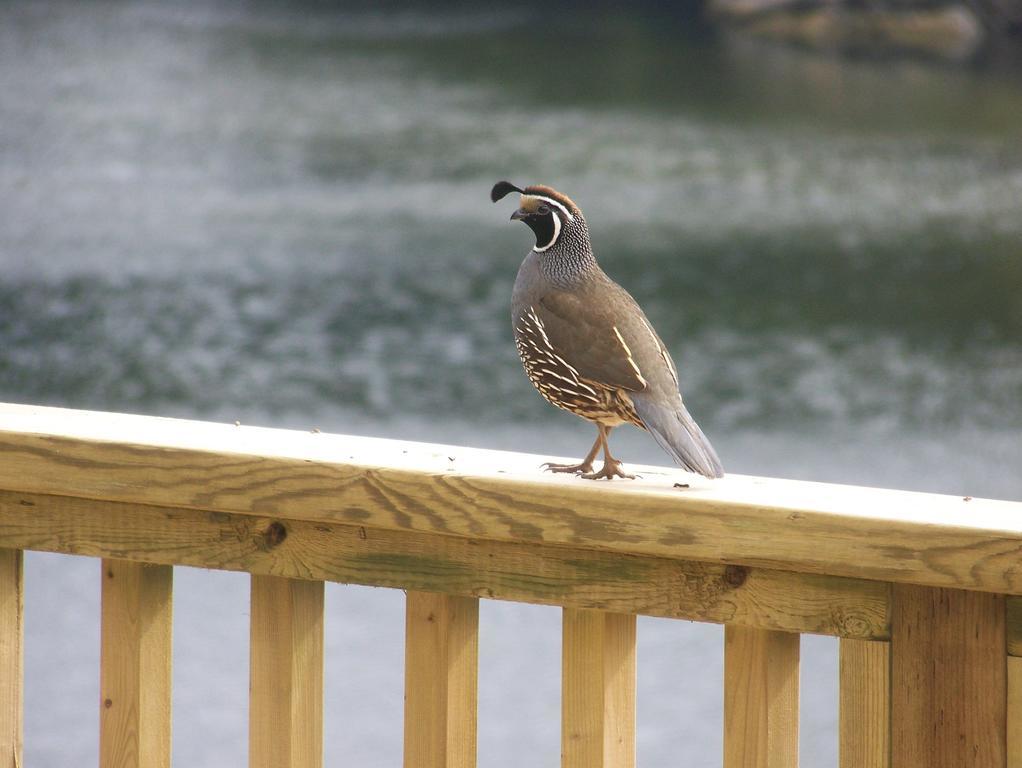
point(282, 217)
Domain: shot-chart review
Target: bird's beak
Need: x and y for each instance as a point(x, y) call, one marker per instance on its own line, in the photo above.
point(520, 214)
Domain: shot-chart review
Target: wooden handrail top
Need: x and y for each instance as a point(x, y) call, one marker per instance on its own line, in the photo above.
point(499, 496)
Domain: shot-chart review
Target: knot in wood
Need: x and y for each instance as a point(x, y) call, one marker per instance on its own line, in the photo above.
point(735, 575)
point(852, 624)
point(275, 534)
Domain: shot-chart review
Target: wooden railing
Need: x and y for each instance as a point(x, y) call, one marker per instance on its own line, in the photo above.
point(919, 587)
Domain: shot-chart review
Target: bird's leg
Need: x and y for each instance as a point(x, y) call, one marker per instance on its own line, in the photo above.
point(611, 466)
point(586, 464)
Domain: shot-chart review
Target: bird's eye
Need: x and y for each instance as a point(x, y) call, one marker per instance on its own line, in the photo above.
point(543, 210)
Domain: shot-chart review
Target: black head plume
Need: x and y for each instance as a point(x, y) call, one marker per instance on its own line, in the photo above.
point(502, 189)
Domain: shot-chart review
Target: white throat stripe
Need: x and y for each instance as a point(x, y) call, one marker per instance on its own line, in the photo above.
point(557, 233)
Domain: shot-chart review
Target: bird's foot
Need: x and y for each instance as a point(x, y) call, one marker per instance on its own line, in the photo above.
point(571, 469)
point(611, 469)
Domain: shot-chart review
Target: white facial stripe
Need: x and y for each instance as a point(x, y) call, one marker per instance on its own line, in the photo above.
point(557, 233)
point(560, 207)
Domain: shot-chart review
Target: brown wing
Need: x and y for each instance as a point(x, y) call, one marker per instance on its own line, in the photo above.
point(586, 334)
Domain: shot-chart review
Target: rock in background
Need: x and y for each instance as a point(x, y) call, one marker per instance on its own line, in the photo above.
point(950, 30)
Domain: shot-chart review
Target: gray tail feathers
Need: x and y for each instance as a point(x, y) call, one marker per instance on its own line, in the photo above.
point(678, 434)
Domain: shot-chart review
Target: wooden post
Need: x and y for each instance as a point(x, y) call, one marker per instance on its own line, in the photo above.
point(1014, 712)
point(948, 678)
point(12, 636)
point(865, 704)
point(285, 719)
point(135, 665)
point(760, 698)
point(598, 690)
point(441, 672)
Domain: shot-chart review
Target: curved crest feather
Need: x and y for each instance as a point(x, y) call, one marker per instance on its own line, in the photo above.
point(502, 189)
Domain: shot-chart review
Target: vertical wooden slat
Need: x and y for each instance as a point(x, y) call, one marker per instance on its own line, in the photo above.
point(760, 698)
point(441, 672)
point(865, 714)
point(285, 722)
point(12, 635)
point(598, 690)
point(1014, 712)
point(135, 665)
point(948, 678)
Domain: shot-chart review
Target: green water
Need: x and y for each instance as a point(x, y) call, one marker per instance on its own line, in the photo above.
point(280, 215)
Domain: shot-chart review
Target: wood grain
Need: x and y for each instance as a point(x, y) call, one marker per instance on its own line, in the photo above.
point(948, 679)
point(286, 660)
point(864, 704)
point(565, 576)
point(488, 495)
point(761, 675)
point(441, 669)
point(1014, 712)
point(1014, 625)
point(135, 665)
point(12, 638)
point(597, 690)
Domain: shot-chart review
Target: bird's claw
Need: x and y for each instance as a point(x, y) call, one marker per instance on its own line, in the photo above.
point(609, 471)
point(571, 469)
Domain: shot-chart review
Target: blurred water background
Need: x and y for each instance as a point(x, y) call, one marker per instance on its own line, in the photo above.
point(279, 214)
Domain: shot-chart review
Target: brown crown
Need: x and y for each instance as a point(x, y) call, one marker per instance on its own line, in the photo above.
point(553, 194)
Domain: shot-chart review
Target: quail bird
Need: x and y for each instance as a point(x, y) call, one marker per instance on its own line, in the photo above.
point(588, 347)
